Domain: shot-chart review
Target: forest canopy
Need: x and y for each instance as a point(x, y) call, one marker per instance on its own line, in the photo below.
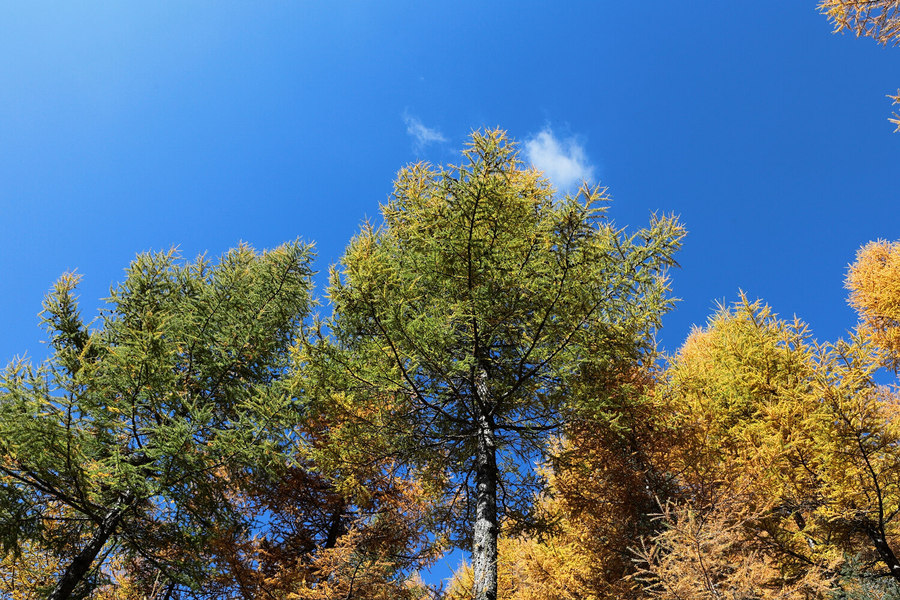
point(487, 380)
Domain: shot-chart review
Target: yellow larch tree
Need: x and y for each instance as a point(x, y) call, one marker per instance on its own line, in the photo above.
point(874, 284)
point(739, 392)
point(790, 462)
point(877, 19)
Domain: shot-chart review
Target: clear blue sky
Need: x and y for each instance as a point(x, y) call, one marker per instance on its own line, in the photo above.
point(127, 127)
point(133, 126)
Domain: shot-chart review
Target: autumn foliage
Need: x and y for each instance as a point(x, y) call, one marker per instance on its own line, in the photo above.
point(764, 465)
point(492, 380)
point(874, 283)
point(876, 19)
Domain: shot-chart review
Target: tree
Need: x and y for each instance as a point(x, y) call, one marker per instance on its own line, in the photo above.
point(714, 553)
point(317, 535)
point(874, 284)
point(306, 541)
point(739, 397)
point(789, 459)
point(464, 325)
point(603, 488)
point(124, 441)
point(877, 19)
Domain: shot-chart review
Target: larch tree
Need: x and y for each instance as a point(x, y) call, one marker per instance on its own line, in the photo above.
point(788, 458)
point(304, 540)
point(874, 284)
point(318, 533)
point(604, 484)
point(124, 441)
point(739, 395)
point(464, 325)
point(877, 19)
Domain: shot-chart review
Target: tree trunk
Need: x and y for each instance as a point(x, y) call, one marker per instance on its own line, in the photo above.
point(876, 534)
point(484, 542)
point(81, 564)
point(335, 527)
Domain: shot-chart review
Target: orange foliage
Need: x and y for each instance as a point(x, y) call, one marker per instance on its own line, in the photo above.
point(312, 544)
point(318, 543)
point(721, 551)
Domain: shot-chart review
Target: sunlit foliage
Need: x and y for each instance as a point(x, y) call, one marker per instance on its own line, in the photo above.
point(874, 284)
point(877, 19)
point(465, 326)
point(125, 439)
point(789, 463)
point(488, 379)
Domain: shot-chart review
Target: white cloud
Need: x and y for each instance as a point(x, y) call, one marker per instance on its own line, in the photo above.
point(422, 135)
point(564, 162)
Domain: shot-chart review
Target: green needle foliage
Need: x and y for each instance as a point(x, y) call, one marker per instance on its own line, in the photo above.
point(125, 439)
point(482, 315)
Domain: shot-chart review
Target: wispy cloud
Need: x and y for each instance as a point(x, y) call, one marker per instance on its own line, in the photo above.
point(563, 161)
point(421, 135)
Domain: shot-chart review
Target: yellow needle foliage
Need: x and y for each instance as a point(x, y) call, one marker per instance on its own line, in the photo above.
point(788, 460)
point(575, 562)
point(739, 393)
point(874, 284)
point(30, 573)
point(709, 555)
point(601, 493)
point(877, 19)
point(530, 569)
point(23, 577)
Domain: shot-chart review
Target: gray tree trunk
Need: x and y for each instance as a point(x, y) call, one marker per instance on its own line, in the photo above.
point(484, 539)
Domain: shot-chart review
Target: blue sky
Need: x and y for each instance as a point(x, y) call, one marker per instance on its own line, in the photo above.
point(126, 127)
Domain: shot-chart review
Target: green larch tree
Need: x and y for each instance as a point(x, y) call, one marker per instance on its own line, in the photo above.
point(464, 328)
point(124, 440)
